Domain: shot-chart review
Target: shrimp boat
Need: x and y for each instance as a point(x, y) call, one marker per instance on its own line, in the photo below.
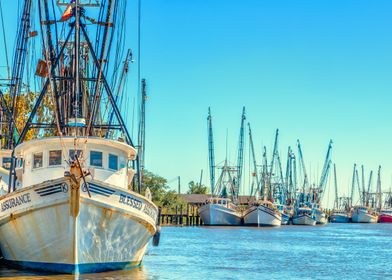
point(363, 214)
point(386, 212)
point(70, 208)
point(220, 212)
point(304, 216)
point(340, 216)
point(222, 208)
point(319, 214)
point(285, 213)
point(262, 213)
point(385, 216)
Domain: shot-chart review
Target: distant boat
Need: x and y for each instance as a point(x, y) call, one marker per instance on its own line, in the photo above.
point(285, 212)
point(385, 216)
point(262, 213)
point(304, 216)
point(319, 214)
point(363, 214)
point(340, 216)
point(220, 212)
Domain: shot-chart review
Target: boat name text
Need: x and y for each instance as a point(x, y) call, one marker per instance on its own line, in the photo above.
point(131, 201)
point(138, 204)
point(15, 201)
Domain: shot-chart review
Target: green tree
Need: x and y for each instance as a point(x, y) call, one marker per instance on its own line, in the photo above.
point(161, 195)
point(171, 200)
point(157, 185)
point(195, 188)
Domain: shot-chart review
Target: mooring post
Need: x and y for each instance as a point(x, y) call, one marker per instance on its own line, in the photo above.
point(187, 215)
point(181, 215)
point(176, 214)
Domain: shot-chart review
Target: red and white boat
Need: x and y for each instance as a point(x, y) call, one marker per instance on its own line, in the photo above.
point(385, 216)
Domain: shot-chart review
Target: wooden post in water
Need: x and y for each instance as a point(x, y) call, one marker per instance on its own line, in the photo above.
point(181, 215)
point(191, 215)
point(187, 215)
point(176, 214)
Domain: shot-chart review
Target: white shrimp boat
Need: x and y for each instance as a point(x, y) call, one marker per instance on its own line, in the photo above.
point(340, 216)
point(319, 215)
point(53, 221)
point(262, 213)
point(304, 216)
point(220, 212)
point(363, 214)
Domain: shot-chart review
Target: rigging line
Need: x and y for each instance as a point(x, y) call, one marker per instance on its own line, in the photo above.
point(5, 41)
point(97, 90)
point(139, 21)
point(55, 28)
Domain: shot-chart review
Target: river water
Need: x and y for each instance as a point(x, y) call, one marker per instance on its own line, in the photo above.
point(334, 251)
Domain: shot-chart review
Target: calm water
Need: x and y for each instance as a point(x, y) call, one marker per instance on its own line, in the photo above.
point(335, 251)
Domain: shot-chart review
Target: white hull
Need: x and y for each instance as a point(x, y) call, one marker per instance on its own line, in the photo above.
point(262, 216)
point(218, 215)
point(321, 217)
point(51, 227)
point(304, 220)
point(363, 217)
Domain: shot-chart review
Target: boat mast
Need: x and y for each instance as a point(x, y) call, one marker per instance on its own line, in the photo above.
point(325, 172)
point(336, 204)
point(369, 187)
point(211, 156)
point(379, 195)
point(240, 156)
point(255, 174)
point(353, 186)
point(18, 69)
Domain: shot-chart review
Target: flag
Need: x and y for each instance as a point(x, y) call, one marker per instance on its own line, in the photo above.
point(68, 11)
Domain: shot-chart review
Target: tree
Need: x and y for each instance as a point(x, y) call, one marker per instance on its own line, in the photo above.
point(156, 184)
point(195, 188)
point(161, 195)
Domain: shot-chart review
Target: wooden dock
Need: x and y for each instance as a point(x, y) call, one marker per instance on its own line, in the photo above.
point(181, 217)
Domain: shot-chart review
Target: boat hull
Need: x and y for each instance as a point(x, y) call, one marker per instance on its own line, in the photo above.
point(218, 215)
point(385, 218)
point(262, 216)
point(320, 216)
point(340, 218)
point(63, 230)
point(304, 220)
point(285, 219)
point(363, 217)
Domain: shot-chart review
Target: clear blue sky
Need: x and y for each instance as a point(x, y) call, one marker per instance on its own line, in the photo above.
point(317, 70)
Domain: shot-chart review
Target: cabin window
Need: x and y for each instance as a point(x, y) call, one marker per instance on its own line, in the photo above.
point(55, 157)
point(38, 160)
point(113, 162)
point(72, 154)
point(7, 163)
point(96, 158)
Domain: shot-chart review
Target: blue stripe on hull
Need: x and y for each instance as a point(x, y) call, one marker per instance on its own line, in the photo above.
point(75, 269)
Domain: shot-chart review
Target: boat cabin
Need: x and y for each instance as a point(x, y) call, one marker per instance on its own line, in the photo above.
point(49, 158)
point(225, 202)
point(304, 210)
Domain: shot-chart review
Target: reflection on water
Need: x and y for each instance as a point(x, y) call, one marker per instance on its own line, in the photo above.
point(334, 251)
